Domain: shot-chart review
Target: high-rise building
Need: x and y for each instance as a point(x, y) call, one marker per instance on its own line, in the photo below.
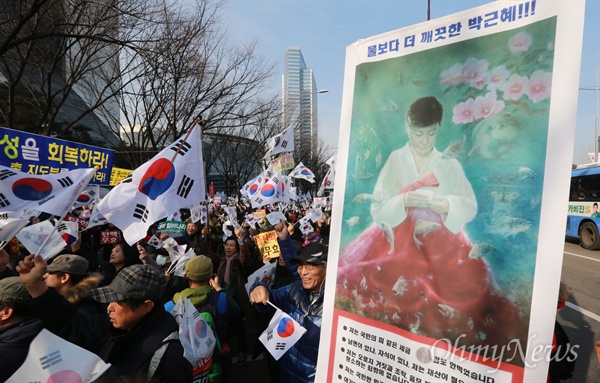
point(299, 100)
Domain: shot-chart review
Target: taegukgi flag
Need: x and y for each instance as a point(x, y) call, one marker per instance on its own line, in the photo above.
point(268, 193)
point(51, 193)
point(281, 334)
point(173, 179)
point(34, 236)
point(53, 359)
point(302, 172)
point(283, 142)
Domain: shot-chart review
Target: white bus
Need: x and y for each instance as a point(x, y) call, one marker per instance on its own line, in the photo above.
point(583, 217)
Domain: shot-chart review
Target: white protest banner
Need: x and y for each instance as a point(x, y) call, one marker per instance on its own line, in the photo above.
point(281, 334)
point(482, 94)
point(53, 359)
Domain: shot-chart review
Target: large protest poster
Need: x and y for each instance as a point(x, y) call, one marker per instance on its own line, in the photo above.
point(36, 154)
point(452, 177)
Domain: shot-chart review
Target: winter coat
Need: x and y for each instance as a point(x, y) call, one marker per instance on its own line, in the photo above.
point(299, 364)
point(129, 352)
point(14, 344)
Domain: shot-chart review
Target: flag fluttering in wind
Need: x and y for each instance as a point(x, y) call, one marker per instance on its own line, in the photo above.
point(302, 172)
point(173, 179)
point(34, 236)
point(328, 182)
point(86, 198)
point(281, 334)
point(283, 142)
point(51, 193)
point(270, 192)
point(53, 359)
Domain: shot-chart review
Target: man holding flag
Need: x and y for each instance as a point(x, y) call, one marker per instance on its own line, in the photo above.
point(302, 301)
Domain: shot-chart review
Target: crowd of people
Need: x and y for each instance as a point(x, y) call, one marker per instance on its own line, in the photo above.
point(114, 299)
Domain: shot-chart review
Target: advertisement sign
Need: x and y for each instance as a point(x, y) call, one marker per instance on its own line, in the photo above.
point(36, 154)
point(451, 181)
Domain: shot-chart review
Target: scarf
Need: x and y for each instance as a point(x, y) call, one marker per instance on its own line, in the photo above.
point(227, 276)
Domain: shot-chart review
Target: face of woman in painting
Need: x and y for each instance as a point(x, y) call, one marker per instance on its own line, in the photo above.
point(422, 139)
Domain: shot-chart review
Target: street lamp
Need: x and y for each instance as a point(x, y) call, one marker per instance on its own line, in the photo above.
point(594, 88)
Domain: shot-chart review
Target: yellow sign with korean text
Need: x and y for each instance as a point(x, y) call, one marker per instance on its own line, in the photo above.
point(267, 244)
point(118, 174)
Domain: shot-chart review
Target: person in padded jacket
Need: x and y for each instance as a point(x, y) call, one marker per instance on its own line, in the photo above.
point(303, 301)
point(129, 336)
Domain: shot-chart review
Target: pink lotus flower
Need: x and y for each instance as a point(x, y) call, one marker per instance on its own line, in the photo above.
point(497, 77)
point(473, 71)
point(463, 113)
point(514, 87)
point(452, 76)
point(539, 86)
point(486, 106)
point(520, 42)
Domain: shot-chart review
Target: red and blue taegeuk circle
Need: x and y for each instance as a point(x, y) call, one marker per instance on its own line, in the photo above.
point(201, 329)
point(277, 140)
point(305, 172)
point(32, 189)
point(83, 198)
point(268, 190)
point(158, 178)
point(285, 327)
point(65, 376)
point(253, 189)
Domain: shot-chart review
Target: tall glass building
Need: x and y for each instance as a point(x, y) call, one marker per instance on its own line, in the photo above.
point(299, 100)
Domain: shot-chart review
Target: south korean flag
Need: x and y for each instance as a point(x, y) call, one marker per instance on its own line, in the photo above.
point(172, 180)
point(50, 193)
point(281, 334)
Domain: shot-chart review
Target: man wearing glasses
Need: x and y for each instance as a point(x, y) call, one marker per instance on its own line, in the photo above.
point(303, 301)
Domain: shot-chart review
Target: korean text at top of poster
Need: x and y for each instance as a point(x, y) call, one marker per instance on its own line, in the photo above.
point(36, 154)
point(454, 28)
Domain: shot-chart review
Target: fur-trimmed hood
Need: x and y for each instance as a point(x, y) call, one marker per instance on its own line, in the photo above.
point(81, 291)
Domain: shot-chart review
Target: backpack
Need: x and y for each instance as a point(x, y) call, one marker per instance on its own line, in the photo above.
point(221, 357)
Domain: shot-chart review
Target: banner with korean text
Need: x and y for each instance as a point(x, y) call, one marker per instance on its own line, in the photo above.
point(448, 221)
point(36, 154)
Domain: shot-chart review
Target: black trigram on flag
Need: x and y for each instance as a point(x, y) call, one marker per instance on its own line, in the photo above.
point(50, 359)
point(280, 346)
point(284, 144)
point(3, 201)
point(65, 182)
point(3, 216)
point(185, 186)
point(62, 227)
point(91, 193)
point(259, 200)
point(184, 148)
point(140, 212)
point(4, 174)
point(127, 179)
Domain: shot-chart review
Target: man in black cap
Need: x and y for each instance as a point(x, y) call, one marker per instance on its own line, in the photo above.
point(18, 326)
point(303, 301)
point(136, 336)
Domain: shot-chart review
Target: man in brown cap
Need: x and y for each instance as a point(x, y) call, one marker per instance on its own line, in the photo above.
point(18, 326)
point(136, 336)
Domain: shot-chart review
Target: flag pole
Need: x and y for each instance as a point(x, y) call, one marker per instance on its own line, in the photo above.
point(276, 308)
point(196, 120)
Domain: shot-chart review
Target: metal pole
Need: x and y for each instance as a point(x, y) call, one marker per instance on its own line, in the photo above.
point(596, 130)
